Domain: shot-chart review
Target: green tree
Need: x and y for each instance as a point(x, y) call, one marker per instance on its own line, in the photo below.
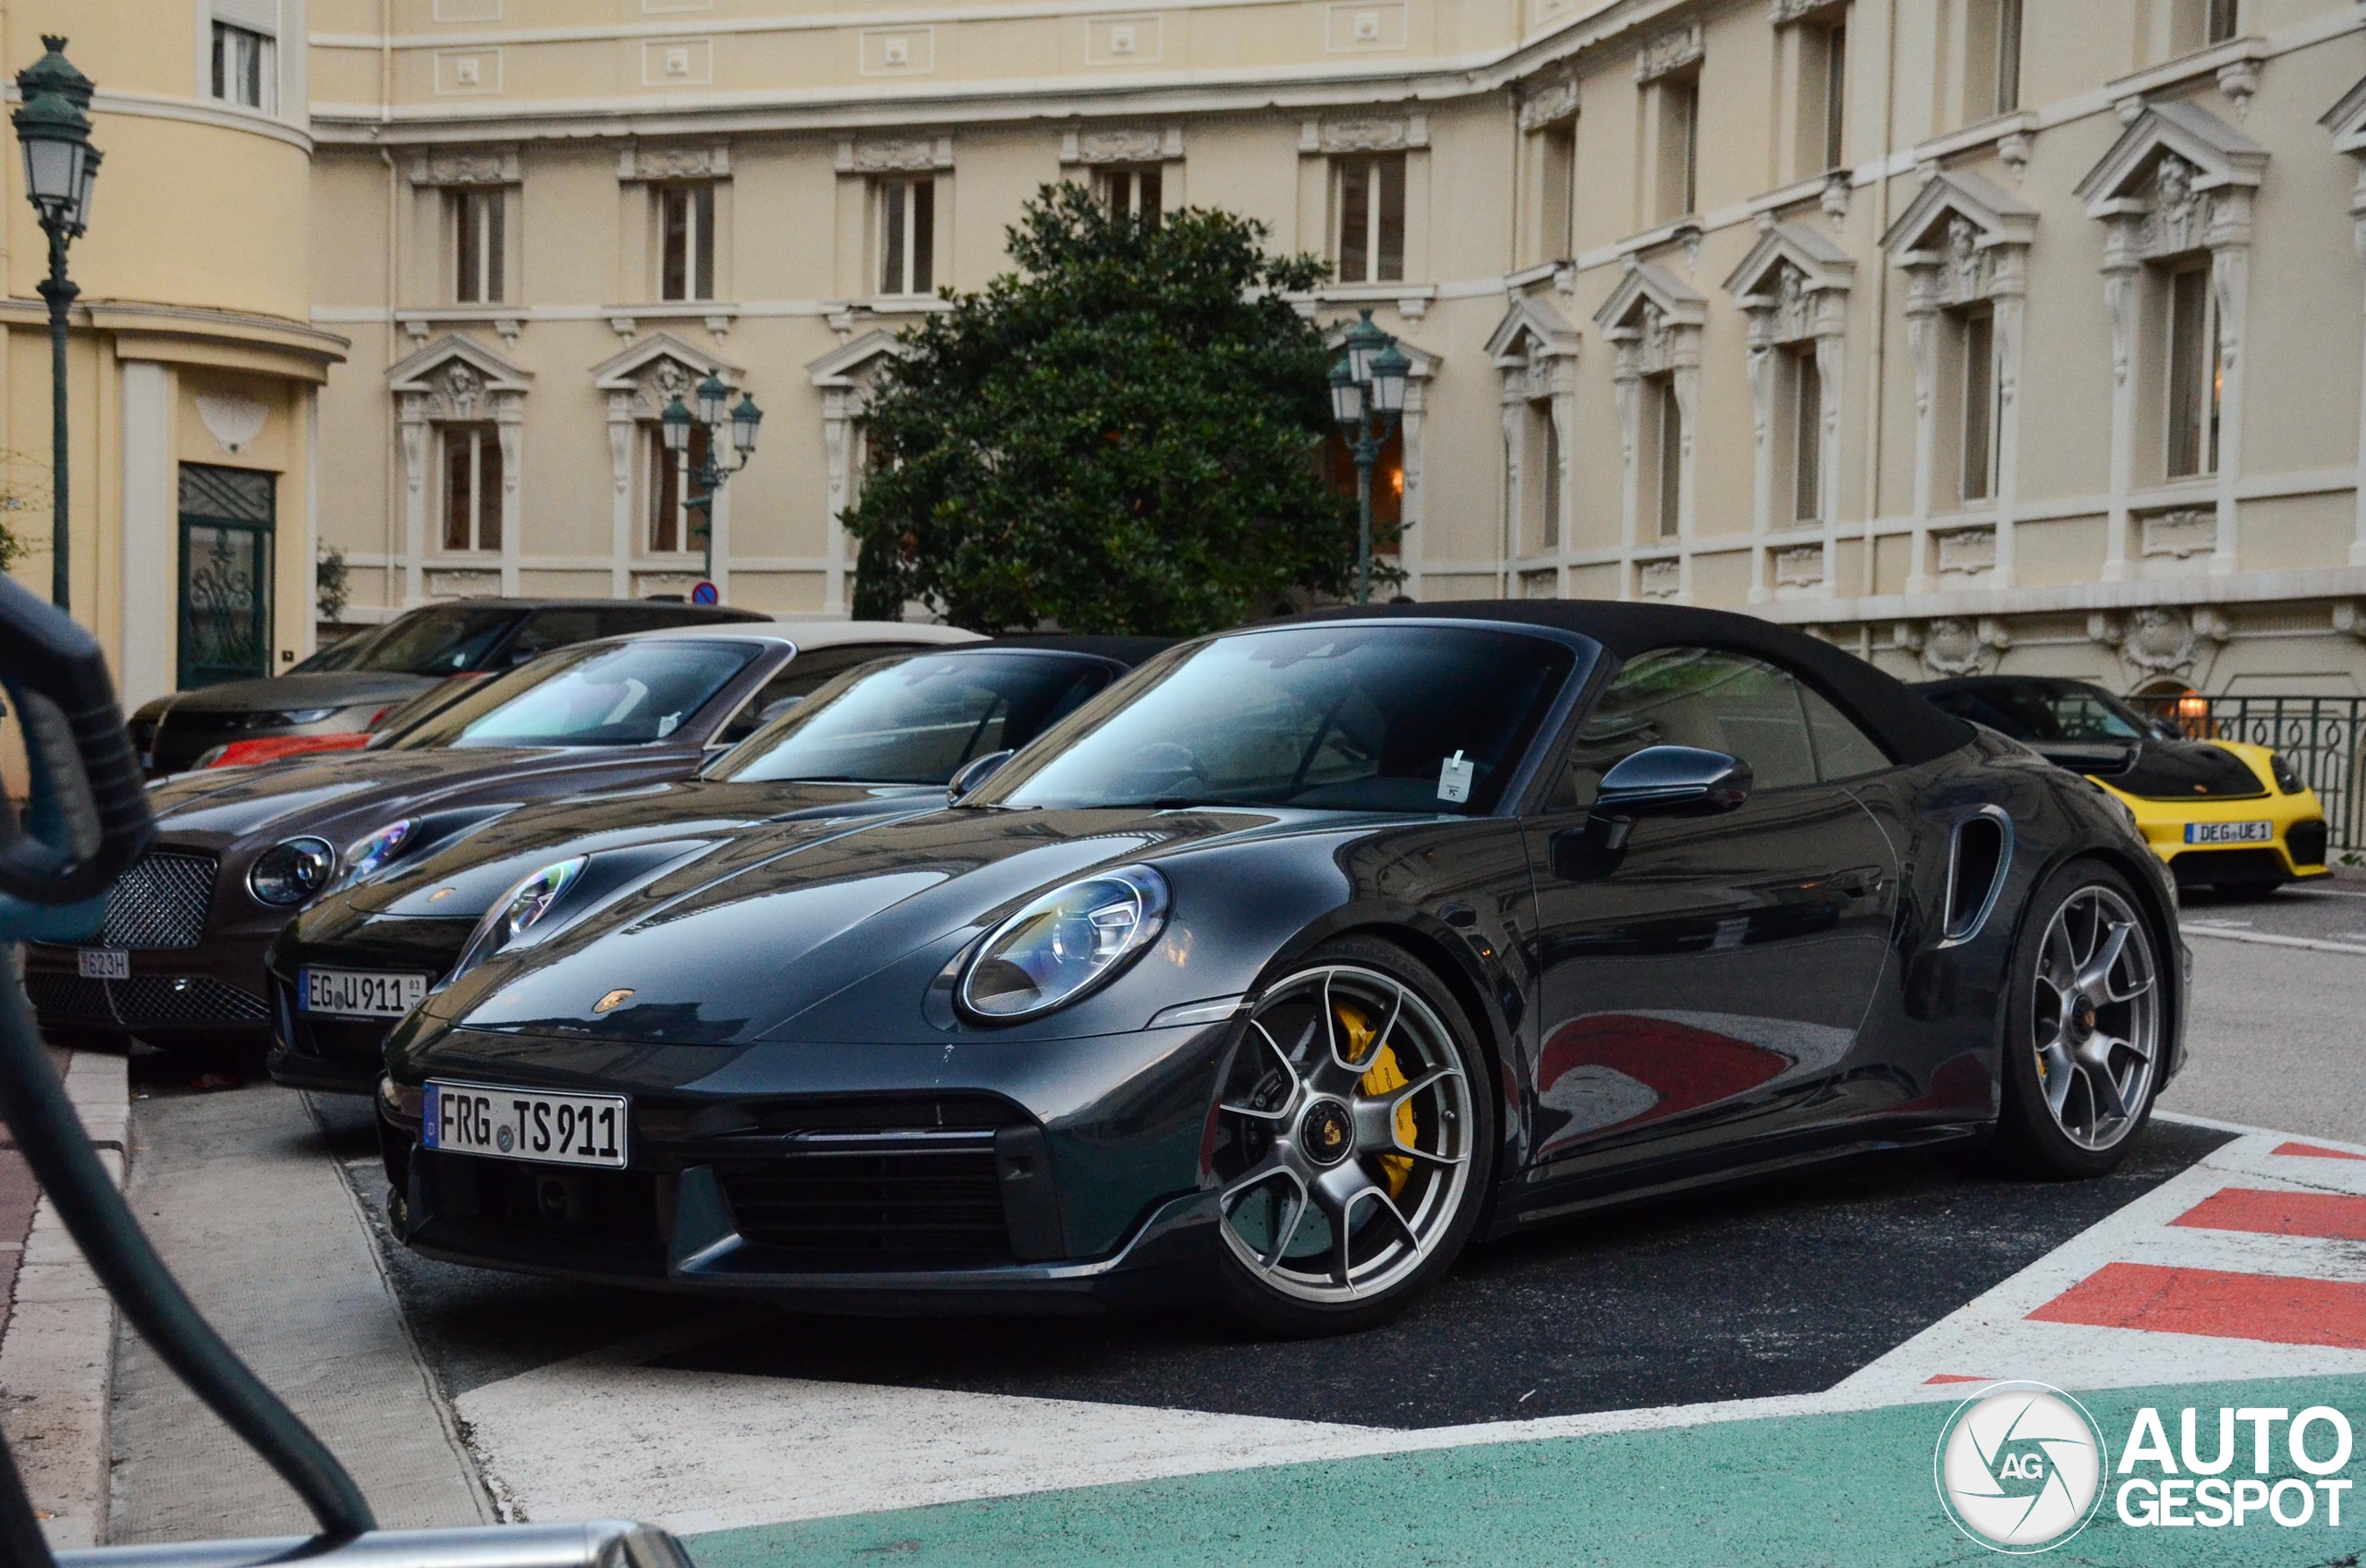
point(1120, 436)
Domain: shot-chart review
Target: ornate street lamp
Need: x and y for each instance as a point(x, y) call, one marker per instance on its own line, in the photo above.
point(1367, 399)
point(714, 412)
point(60, 167)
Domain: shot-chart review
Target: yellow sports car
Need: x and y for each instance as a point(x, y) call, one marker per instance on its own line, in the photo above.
point(2222, 812)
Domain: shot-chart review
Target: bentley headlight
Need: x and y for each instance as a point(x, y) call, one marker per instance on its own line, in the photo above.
point(519, 912)
point(1064, 943)
point(374, 852)
point(291, 872)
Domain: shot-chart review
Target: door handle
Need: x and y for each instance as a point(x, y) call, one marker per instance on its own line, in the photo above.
point(1860, 882)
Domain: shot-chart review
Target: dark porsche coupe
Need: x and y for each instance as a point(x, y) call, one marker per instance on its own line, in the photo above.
point(238, 850)
point(1296, 960)
point(886, 736)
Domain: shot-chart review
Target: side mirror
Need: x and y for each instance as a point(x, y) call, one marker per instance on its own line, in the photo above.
point(1667, 780)
point(973, 773)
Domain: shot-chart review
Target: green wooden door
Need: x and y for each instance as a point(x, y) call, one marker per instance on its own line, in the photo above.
point(227, 523)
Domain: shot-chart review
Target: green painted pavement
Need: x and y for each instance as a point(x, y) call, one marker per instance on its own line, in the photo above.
point(1832, 1491)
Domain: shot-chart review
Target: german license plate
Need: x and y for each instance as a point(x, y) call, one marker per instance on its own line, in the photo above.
point(102, 962)
point(523, 1123)
point(356, 995)
point(2230, 833)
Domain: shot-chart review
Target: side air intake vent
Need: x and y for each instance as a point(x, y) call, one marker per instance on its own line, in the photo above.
point(1977, 858)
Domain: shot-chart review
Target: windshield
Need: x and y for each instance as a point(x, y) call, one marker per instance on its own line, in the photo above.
point(438, 641)
point(915, 720)
point(2042, 710)
point(594, 694)
point(1346, 716)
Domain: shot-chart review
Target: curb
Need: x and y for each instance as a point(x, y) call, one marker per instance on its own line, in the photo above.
point(57, 1357)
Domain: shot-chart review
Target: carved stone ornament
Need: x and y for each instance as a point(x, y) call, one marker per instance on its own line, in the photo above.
point(1964, 260)
point(1121, 146)
point(232, 419)
point(1661, 579)
point(461, 387)
point(1967, 551)
point(677, 162)
point(467, 167)
point(1365, 136)
point(1800, 566)
point(1553, 101)
point(461, 585)
point(1951, 646)
point(887, 154)
point(2191, 530)
point(1793, 311)
point(2179, 212)
point(1668, 51)
point(2157, 638)
point(1785, 12)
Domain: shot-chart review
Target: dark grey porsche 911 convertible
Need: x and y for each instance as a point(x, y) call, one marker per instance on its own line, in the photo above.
point(1296, 959)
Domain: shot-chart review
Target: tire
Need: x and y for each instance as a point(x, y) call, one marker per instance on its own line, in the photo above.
point(1358, 1093)
point(2085, 1026)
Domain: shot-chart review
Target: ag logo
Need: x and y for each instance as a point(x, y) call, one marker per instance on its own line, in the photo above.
point(2019, 1467)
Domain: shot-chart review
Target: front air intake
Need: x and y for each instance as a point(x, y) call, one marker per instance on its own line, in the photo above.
point(1978, 854)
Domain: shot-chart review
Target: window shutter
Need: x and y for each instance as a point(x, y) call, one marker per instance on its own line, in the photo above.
point(256, 16)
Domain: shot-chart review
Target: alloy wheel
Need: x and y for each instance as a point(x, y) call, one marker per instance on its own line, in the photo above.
point(2096, 1017)
point(1344, 1136)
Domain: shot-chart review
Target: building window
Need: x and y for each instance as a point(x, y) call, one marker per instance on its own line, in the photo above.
point(1977, 480)
point(1388, 485)
point(2195, 379)
point(1548, 474)
point(906, 235)
point(472, 487)
point(244, 67)
point(1679, 183)
point(685, 241)
point(1556, 158)
point(674, 525)
point(1130, 191)
point(1371, 204)
point(1664, 449)
point(478, 244)
point(1992, 58)
point(1805, 390)
point(2198, 24)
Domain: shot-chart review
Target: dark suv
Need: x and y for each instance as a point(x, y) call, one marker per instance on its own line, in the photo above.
point(359, 683)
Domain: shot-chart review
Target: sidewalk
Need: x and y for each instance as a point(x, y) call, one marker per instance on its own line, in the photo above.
point(57, 1339)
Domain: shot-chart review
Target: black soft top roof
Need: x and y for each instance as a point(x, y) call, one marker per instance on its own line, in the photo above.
point(1909, 727)
point(1127, 650)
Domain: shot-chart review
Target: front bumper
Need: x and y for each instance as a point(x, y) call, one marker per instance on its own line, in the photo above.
point(1059, 1176)
point(206, 990)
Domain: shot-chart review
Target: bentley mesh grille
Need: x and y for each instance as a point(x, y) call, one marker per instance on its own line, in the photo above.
point(152, 1001)
point(68, 996)
point(160, 902)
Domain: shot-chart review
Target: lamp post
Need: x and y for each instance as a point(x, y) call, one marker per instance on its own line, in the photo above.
point(713, 413)
point(60, 164)
point(1367, 399)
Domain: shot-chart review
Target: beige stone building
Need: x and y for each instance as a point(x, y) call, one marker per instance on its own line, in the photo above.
point(1974, 334)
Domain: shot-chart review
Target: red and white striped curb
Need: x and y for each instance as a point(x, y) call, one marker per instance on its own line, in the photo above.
point(2245, 1264)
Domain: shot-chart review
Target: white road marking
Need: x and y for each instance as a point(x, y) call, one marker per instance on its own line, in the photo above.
point(2193, 927)
point(2323, 892)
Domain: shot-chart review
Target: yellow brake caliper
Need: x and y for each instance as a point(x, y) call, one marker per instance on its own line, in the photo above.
point(1383, 1076)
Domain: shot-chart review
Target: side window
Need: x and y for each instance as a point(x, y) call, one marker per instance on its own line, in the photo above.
point(553, 629)
point(805, 674)
point(1699, 696)
point(1842, 751)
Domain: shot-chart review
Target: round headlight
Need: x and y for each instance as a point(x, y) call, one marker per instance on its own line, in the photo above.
point(374, 851)
point(2286, 781)
point(1064, 943)
point(291, 872)
point(519, 911)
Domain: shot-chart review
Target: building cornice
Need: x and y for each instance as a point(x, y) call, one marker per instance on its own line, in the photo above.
point(189, 111)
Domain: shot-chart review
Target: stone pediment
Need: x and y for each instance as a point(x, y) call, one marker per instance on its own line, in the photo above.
point(428, 370)
point(657, 370)
point(2214, 155)
point(2346, 120)
point(1425, 364)
point(1793, 249)
point(1650, 293)
point(852, 364)
point(1954, 197)
point(1531, 329)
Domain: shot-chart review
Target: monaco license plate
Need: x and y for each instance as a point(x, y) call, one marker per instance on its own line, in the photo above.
point(2230, 833)
point(524, 1124)
point(102, 962)
point(356, 995)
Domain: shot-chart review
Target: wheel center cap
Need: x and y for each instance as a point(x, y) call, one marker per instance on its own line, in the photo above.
point(1327, 1134)
point(2082, 1016)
